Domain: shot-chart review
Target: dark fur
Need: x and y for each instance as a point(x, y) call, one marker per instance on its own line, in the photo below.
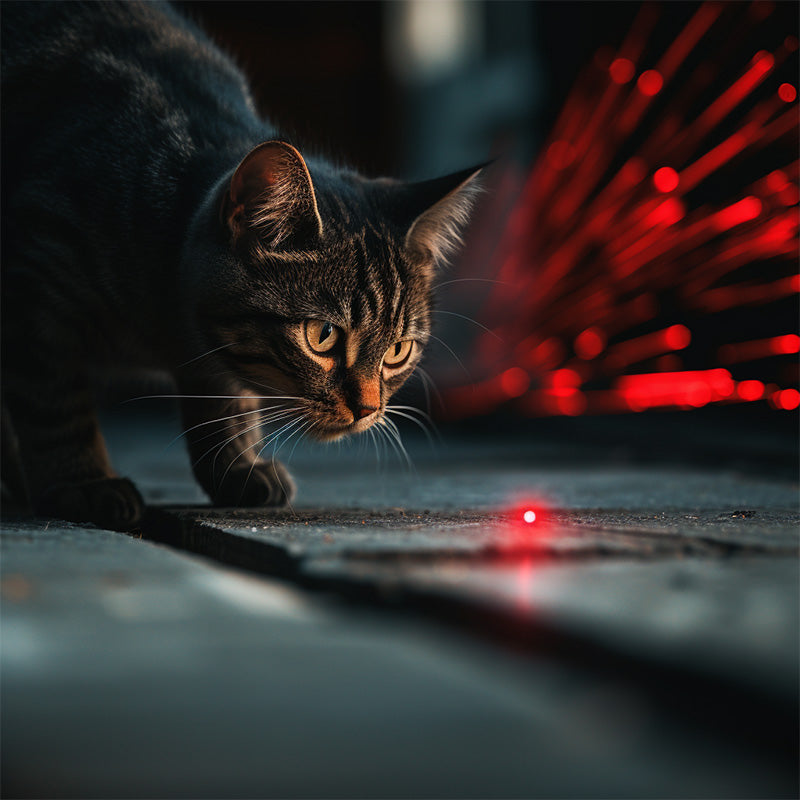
point(129, 236)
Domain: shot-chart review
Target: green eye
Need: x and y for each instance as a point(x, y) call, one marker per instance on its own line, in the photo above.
point(321, 336)
point(398, 354)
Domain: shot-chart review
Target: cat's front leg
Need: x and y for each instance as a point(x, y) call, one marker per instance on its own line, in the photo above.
point(66, 467)
point(225, 444)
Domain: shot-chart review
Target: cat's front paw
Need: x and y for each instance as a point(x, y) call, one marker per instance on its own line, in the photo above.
point(112, 503)
point(265, 483)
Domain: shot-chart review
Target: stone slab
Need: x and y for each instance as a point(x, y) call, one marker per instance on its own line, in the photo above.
point(130, 670)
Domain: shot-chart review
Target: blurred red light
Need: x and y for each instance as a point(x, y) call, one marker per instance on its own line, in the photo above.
point(665, 179)
point(560, 154)
point(786, 344)
point(650, 82)
point(589, 344)
point(745, 210)
point(790, 43)
point(565, 379)
point(787, 92)
point(787, 399)
point(677, 337)
point(514, 382)
point(621, 70)
point(529, 516)
point(750, 390)
point(777, 180)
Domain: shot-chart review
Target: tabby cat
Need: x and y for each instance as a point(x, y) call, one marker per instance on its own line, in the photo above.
point(151, 218)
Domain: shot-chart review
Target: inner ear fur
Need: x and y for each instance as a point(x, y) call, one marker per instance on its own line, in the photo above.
point(436, 232)
point(271, 195)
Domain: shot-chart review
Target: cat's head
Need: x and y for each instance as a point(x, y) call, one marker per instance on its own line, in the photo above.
point(321, 283)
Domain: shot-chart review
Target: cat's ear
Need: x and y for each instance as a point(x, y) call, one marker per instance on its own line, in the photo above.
point(444, 206)
point(271, 195)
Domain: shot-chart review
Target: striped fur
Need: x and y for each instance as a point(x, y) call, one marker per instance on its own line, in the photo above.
point(150, 218)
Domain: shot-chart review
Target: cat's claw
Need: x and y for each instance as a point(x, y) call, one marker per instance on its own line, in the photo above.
point(112, 503)
point(265, 483)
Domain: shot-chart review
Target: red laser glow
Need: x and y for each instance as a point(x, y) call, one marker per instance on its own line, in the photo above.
point(666, 179)
point(787, 92)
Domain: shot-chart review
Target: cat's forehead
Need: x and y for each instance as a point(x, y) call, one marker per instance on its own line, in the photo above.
point(358, 279)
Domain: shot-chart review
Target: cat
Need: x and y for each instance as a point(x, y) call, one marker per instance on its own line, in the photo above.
point(151, 218)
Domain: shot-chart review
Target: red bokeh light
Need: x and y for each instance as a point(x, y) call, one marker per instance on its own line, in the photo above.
point(514, 382)
point(787, 92)
point(666, 179)
point(589, 344)
point(650, 82)
point(787, 399)
point(621, 70)
point(677, 337)
point(786, 344)
point(790, 43)
point(750, 390)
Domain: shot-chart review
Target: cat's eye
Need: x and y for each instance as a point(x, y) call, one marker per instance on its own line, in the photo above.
point(321, 336)
point(398, 354)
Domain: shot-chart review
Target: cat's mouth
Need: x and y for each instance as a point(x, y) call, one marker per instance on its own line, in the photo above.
point(330, 432)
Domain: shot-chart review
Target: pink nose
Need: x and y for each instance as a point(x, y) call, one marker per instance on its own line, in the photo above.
point(365, 411)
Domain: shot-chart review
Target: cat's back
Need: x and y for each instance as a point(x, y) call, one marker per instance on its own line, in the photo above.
point(101, 81)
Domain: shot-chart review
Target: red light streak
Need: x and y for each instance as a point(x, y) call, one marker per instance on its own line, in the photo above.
point(594, 250)
point(745, 210)
point(666, 179)
point(759, 348)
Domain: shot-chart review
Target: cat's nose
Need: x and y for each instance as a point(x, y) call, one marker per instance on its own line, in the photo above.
point(365, 411)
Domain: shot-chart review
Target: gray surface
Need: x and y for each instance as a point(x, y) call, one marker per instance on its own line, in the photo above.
point(129, 670)
point(641, 640)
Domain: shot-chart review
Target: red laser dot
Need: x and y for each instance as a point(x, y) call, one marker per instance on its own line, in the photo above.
point(786, 344)
point(621, 70)
point(589, 344)
point(665, 179)
point(787, 92)
point(529, 516)
point(650, 82)
point(514, 382)
point(750, 390)
point(787, 399)
point(677, 337)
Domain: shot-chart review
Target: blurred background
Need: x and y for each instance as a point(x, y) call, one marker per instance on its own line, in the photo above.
point(635, 254)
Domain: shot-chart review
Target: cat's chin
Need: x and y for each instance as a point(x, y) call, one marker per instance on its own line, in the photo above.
point(332, 433)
